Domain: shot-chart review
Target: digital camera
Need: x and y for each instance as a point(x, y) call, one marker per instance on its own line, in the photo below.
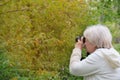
point(79, 38)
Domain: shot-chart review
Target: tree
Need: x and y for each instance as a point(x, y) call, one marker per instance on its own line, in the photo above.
point(106, 12)
point(38, 35)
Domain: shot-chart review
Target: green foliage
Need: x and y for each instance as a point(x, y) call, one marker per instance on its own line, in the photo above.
point(117, 47)
point(6, 69)
point(105, 11)
point(39, 35)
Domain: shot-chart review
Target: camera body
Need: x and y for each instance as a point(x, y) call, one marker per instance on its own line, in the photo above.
point(79, 38)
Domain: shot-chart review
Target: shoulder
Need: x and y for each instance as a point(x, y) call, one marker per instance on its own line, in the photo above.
point(95, 54)
point(95, 57)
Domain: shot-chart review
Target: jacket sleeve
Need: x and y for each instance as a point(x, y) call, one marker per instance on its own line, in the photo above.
point(85, 67)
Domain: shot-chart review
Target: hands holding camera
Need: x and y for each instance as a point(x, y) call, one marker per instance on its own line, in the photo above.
point(80, 42)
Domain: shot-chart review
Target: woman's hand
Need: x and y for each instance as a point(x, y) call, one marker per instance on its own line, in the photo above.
point(79, 44)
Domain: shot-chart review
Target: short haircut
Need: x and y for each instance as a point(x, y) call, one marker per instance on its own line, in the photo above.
point(99, 35)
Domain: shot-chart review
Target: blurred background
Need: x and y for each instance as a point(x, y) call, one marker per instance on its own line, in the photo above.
point(37, 36)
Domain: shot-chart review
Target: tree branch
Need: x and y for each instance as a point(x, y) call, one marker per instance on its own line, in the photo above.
point(2, 4)
point(25, 9)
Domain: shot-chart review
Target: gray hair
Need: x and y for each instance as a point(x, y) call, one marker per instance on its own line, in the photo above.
point(99, 35)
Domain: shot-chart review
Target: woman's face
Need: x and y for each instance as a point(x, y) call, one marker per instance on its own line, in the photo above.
point(89, 47)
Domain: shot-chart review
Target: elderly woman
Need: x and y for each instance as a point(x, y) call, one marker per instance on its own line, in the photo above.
point(103, 63)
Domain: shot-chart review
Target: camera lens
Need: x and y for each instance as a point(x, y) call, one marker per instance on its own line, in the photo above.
point(84, 39)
